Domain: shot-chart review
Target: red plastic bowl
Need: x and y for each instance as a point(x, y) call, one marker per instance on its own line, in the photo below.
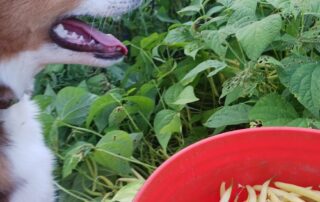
point(249, 156)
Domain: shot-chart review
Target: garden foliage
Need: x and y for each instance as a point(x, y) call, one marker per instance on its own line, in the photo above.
point(195, 69)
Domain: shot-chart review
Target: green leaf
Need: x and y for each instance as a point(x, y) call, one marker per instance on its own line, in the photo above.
point(177, 36)
point(217, 70)
point(113, 144)
point(315, 124)
point(49, 91)
point(186, 96)
point(229, 115)
point(72, 105)
point(244, 12)
point(117, 116)
point(279, 4)
point(166, 123)
point(245, 4)
point(136, 137)
point(303, 82)
point(163, 16)
point(226, 3)
point(74, 156)
point(245, 79)
point(97, 84)
point(235, 94)
point(148, 90)
point(290, 65)
point(242, 18)
point(172, 94)
point(194, 8)
point(273, 110)
point(201, 68)
point(108, 100)
point(216, 40)
point(128, 192)
point(150, 41)
point(214, 10)
point(190, 9)
point(192, 48)
point(307, 7)
point(256, 37)
point(145, 104)
point(268, 60)
point(178, 96)
point(43, 101)
point(300, 122)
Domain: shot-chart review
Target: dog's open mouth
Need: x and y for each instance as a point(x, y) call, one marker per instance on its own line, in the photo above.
point(78, 36)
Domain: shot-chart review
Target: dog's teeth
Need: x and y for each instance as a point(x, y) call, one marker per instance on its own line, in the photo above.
point(92, 42)
point(59, 27)
point(61, 31)
point(81, 39)
point(74, 35)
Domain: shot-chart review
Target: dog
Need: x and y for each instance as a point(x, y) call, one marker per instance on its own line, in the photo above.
point(34, 33)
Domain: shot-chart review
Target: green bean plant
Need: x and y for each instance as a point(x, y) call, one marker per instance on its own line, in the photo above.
point(195, 69)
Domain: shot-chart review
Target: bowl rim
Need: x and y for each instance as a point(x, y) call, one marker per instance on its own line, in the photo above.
point(212, 138)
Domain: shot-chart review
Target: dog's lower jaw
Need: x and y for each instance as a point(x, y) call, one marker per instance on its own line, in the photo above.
point(18, 73)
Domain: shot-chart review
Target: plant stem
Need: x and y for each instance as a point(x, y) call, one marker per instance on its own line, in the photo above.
point(70, 193)
point(126, 158)
point(81, 129)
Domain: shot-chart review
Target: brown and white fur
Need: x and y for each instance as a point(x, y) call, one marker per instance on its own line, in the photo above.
point(26, 164)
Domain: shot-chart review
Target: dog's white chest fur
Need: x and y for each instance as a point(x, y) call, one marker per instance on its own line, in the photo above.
point(31, 161)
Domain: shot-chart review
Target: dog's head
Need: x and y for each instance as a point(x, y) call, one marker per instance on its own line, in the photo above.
point(34, 33)
point(29, 25)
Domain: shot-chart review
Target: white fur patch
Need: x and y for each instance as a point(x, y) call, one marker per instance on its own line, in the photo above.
point(105, 8)
point(18, 72)
point(32, 162)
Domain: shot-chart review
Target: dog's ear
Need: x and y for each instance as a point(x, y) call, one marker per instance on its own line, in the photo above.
point(7, 97)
